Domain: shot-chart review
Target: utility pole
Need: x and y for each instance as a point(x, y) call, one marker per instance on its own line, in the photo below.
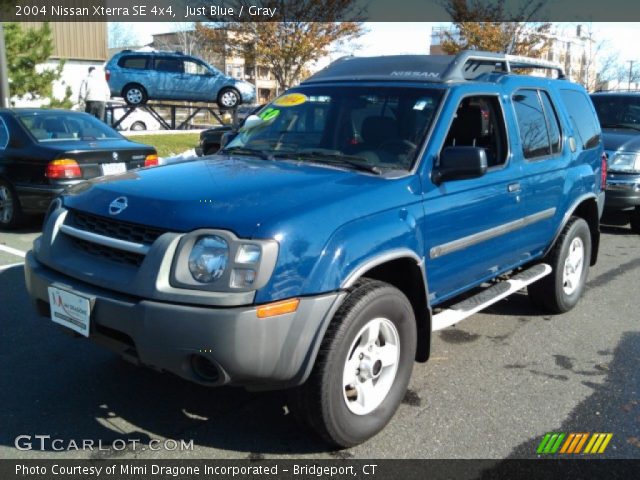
point(4, 79)
point(631, 62)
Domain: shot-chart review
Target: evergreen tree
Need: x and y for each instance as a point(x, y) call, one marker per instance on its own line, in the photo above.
point(27, 48)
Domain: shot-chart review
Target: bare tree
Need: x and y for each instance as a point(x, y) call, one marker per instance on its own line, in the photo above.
point(121, 34)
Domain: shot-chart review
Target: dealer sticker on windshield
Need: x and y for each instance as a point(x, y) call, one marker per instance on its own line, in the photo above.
point(70, 310)
point(290, 100)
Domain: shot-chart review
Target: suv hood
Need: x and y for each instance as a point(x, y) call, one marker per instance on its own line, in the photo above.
point(237, 194)
point(623, 140)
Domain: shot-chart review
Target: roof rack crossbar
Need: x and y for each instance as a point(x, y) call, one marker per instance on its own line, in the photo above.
point(474, 59)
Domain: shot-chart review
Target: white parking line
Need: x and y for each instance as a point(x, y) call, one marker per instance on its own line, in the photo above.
point(13, 251)
point(7, 267)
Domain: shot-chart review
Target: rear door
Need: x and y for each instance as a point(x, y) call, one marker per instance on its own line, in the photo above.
point(169, 77)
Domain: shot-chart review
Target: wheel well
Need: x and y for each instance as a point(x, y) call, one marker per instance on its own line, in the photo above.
point(588, 210)
point(406, 276)
point(132, 84)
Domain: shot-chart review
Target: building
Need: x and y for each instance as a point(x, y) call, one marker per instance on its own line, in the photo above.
point(234, 66)
point(574, 51)
point(80, 45)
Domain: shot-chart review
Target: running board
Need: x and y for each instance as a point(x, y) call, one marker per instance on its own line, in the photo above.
point(491, 295)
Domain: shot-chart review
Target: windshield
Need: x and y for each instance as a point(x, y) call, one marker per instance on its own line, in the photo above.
point(618, 111)
point(52, 126)
point(370, 128)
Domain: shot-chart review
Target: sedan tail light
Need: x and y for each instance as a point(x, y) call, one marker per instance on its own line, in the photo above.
point(603, 172)
point(107, 75)
point(151, 160)
point(63, 168)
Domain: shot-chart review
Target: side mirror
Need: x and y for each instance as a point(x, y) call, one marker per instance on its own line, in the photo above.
point(251, 121)
point(458, 163)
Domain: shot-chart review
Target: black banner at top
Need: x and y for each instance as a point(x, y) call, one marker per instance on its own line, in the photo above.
point(304, 10)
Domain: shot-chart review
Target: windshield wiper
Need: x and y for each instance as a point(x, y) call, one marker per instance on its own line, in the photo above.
point(621, 125)
point(247, 151)
point(331, 158)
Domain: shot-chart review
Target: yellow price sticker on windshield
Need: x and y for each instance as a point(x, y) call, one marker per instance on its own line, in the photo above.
point(290, 100)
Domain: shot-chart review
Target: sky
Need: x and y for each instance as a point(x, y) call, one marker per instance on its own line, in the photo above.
point(406, 37)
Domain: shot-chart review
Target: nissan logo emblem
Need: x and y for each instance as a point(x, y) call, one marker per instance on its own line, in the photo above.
point(118, 205)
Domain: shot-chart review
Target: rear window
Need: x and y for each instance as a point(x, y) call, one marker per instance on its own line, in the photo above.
point(618, 111)
point(584, 122)
point(65, 126)
point(136, 62)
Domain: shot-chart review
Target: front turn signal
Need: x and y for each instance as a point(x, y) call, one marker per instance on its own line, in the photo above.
point(278, 308)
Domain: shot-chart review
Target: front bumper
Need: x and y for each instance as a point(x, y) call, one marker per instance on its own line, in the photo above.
point(267, 353)
point(623, 191)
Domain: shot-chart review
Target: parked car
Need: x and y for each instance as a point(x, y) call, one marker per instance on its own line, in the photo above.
point(135, 121)
point(211, 139)
point(319, 250)
point(42, 152)
point(619, 114)
point(141, 76)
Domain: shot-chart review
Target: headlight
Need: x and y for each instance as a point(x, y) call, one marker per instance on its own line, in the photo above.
point(218, 261)
point(208, 259)
point(624, 162)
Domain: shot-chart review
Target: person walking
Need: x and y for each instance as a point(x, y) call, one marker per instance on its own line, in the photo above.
point(94, 92)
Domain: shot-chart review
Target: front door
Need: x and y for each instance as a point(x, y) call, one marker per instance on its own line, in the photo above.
point(472, 225)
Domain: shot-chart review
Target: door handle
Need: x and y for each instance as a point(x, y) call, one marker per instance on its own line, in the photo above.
point(513, 187)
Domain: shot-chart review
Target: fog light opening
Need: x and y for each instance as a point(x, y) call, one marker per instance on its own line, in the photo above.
point(204, 368)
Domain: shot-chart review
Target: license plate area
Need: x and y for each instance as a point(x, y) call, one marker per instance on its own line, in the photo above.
point(113, 168)
point(70, 310)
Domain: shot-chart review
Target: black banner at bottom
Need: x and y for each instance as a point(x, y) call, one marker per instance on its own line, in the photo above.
point(529, 469)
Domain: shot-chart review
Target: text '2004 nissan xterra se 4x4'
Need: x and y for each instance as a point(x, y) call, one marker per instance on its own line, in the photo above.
point(319, 250)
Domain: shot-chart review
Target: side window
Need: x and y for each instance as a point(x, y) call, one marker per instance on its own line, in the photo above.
point(195, 68)
point(4, 134)
point(479, 123)
point(136, 62)
point(168, 64)
point(582, 117)
point(552, 123)
point(532, 124)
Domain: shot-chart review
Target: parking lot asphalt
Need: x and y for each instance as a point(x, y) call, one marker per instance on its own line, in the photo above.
point(495, 384)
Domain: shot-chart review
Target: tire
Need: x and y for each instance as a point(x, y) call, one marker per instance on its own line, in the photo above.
point(560, 291)
point(343, 416)
point(228, 98)
point(634, 218)
point(11, 215)
point(138, 127)
point(134, 94)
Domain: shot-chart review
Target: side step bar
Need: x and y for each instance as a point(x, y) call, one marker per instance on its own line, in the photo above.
point(491, 295)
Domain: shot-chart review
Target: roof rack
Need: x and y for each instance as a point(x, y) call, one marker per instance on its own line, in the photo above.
point(467, 65)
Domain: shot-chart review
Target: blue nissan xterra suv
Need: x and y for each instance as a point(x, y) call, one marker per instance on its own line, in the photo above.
point(322, 246)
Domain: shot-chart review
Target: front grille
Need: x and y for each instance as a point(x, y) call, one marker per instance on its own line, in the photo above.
point(107, 227)
point(113, 254)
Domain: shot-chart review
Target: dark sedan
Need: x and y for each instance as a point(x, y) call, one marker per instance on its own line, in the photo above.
point(42, 152)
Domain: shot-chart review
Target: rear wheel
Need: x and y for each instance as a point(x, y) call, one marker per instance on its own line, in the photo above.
point(363, 366)
point(228, 98)
point(569, 259)
point(10, 211)
point(134, 94)
point(634, 218)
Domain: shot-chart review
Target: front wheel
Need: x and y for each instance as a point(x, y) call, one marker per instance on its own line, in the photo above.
point(363, 366)
point(228, 98)
point(560, 291)
point(138, 127)
point(10, 211)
